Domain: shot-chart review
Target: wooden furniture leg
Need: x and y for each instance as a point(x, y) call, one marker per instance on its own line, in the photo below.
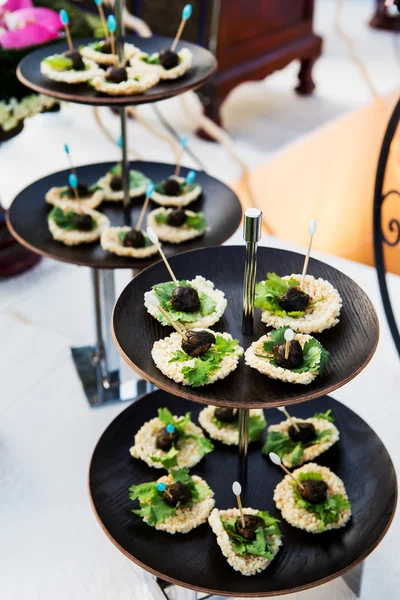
point(306, 84)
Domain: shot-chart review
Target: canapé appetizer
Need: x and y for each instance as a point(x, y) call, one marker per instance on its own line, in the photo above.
point(87, 197)
point(249, 538)
point(176, 191)
point(168, 63)
point(194, 303)
point(222, 424)
point(170, 442)
point(73, 226)
point(69, 67)
point(311, 309)
point(175, 503)
point(176, 226)
point(126, 241)
point(316, 501)
point(111, 185)
point(101, 52)
point(297, 441)
point(299, 359)
point(204, 358)
point(123, 81)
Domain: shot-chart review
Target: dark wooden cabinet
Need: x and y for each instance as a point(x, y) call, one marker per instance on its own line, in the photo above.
point(250, 38)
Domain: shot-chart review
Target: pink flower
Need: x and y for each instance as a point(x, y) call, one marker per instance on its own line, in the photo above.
point(23, 25)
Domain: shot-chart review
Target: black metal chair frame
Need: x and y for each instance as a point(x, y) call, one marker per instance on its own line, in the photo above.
point(380, 238)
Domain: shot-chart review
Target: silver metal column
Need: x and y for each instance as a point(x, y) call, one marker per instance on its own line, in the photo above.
point(98, 366)
point(120, 37)
point(251, 235)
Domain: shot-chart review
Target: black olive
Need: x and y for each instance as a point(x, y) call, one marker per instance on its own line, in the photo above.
point(314, 491)
point(172, 187)
point(185, 299)
point(305, 434)
point(165, 440)
point(168, 59)
point(176, 493)
point(77, 60)
point(134, 239)
point(116, 183)
point(83, 222)
point(294, 299)
point(251, 524)
point(176, 218)
point(294, 359)
point(106, 47)
point(198, 342)
point(226, 415)
point(116, 74)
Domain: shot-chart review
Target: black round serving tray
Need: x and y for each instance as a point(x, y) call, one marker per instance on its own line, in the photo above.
point(351, 343)
point(194, 560)
point(203, 67)
point(27, 216)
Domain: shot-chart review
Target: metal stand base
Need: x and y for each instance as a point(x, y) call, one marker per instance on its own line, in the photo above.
point(96, 393)
point(99, 366)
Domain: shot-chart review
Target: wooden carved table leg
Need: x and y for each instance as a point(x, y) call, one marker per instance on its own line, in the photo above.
point(306, 84)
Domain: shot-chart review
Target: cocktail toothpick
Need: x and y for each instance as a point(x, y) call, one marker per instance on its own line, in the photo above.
point(311, 230)
point(237, 490)
point(289, 336)
point(184, 141)
point(151, 298)
point(161, 487)
point(112, 26)
point(190, 178)
point(71, 164)
point(73, 182)
point(277, 461)
point(186, 14)
point(149, 192)
point(99, 4)
point(285, 412)
point(170, 429)
point(64, 18)
point(154, 238)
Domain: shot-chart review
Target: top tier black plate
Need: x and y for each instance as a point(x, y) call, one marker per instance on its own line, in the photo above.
point(203, 67)
point(351, 343)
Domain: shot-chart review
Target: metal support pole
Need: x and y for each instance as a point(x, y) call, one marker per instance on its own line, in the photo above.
point(99, 366)
point(251, 235)
point(120, 39)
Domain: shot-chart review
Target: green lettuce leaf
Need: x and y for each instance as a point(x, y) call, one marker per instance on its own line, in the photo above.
point(65, 220)
point(136, 178)
point(58, 62)
point(326, 415)
point(196, 221)
point(168, 461)
point(268, 292)
point(167, 418)
point(257, 424)
point(199, 372)
point(163, 292)
point(282, 444)
point(262, 545)
point(147, 240)
point(151, 59)
point(328, 511)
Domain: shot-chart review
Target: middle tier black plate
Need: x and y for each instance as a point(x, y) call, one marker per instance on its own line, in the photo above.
point(351, 343)
point(27, 216)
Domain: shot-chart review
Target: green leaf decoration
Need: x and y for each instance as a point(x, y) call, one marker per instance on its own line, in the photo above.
point(328, 511)
point(257, 424)
point(326, 415)
point(161, 218)
point(147, 240)
point(163, 292)
point(136, 178)
point(282, 444)
point(168, 461)
point(315, 357)
point(197, 221)
point(262, 545)
point(152, 505)
point(184, 187)
point(199, 372)
point(151, 59)
point(65, 220)
point(268, 292)
point(58, 62)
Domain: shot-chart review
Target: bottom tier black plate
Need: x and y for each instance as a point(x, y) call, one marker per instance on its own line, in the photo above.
point(194, 560)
